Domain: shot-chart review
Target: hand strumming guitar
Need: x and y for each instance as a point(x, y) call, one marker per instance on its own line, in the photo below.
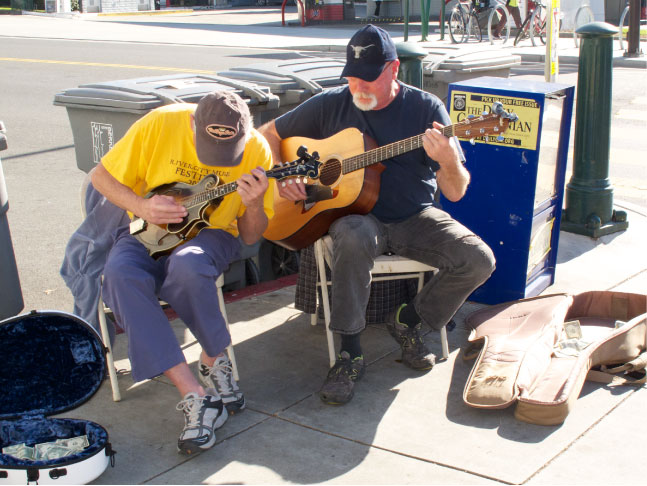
point(292, 190)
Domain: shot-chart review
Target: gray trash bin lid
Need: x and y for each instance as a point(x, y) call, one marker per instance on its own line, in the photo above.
point(140, 95)
point(310, 74)
point(293, 80)
point(450, 64)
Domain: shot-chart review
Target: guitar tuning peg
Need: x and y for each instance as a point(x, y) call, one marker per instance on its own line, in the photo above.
point(487, 138)
point(472, 141)
point(297, 180)
point(283, 184)
point(290, 181)
point(470, 117)
point(500, 138)
point(484, 112)
point(305, 180)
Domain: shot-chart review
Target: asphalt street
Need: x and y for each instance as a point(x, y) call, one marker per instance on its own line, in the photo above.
point(40, 169)
point(39, 166)
point(400, 427)
point(43, 181)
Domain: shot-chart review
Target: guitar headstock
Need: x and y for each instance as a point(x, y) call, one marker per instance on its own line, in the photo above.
point(306, 167)
point(493, 123)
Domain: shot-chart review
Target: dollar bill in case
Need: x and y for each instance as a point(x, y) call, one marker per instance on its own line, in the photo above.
point(50, 362)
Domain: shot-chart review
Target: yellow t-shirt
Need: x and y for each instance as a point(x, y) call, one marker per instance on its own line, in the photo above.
point(159, 149)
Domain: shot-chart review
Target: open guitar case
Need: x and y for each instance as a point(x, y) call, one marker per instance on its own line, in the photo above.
point(538, 352)
point(50, 362)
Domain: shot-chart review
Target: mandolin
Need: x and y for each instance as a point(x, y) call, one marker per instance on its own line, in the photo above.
point(200, 200)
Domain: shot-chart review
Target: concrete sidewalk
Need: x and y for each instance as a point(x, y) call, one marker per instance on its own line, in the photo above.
point(401, 427)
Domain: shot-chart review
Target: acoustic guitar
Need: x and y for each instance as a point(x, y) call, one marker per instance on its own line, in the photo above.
point(347, 179)
point(200, 200)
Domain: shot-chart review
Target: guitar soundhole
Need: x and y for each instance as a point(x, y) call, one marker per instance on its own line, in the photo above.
point(330, 172)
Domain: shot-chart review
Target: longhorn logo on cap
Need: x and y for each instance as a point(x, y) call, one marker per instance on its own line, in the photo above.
point(358, 50)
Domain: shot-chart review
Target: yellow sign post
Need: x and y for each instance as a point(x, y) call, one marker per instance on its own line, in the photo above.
point(551, 66)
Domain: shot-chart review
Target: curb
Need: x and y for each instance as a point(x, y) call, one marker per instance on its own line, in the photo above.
point(145, 12)
point(568, 59)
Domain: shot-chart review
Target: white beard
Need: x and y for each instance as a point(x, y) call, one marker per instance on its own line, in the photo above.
point(364, 101)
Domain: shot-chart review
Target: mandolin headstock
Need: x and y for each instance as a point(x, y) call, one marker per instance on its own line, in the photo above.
point(306, 166)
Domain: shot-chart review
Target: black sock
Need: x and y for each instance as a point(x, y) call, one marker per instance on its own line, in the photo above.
point(350, 344)
point(408, 316)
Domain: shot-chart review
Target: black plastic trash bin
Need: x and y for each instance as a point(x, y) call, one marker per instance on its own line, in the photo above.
point(292, 80)
point(410, 55)
point(101, 113)
point(11, 302)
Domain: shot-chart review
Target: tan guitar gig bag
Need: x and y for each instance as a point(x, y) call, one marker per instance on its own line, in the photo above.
point(538, 352)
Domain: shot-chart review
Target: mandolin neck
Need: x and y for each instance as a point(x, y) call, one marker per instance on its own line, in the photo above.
point(217, 192)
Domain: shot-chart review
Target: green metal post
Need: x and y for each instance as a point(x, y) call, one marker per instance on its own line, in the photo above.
point(411, 56)
point(424, 19)
point(406, 20)
point(442, 20)
point(589, 194)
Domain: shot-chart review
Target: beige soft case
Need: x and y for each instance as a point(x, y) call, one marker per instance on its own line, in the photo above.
point(522, 359)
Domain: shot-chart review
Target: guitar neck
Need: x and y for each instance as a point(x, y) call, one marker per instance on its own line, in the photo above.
point(388, 151)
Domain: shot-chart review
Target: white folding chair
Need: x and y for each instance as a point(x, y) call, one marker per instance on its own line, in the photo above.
point(105, 336)
point(103, 323)
point(387, 267)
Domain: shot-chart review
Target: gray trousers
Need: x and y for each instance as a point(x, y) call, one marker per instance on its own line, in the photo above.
point(463, 261)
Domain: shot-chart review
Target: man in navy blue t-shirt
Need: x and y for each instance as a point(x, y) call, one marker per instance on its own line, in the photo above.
point(405, 220)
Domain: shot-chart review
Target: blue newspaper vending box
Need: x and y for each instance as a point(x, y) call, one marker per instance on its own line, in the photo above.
point(514, 200)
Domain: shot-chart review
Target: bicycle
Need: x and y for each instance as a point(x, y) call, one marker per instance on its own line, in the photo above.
point(498, 12)
point(583, 16)
point(534, 26)
point(621, 25)
point(463, 23)
point(467, 20)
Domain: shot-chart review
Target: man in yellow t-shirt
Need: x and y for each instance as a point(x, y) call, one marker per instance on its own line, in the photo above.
point(183, 143)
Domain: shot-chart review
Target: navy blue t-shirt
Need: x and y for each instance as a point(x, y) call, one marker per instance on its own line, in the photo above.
point(408, 184)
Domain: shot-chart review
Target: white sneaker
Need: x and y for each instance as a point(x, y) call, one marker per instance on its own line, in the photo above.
point(221, 377)
point(202, 416)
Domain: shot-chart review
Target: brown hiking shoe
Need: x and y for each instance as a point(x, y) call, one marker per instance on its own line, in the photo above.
point(414, 352)
point(338, 386)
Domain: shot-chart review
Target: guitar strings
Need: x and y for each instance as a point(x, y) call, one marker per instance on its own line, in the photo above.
point(378, 154)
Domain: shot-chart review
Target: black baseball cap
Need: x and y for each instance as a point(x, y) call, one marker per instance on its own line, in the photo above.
point(368, 51)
